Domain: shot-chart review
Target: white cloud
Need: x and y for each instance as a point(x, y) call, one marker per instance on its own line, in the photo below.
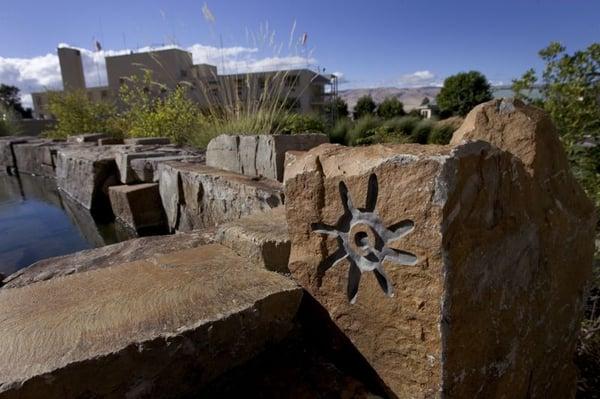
point(340, 77)
point(43, 72)
point(418, 79)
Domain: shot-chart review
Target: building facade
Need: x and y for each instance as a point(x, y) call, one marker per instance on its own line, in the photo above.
point(303, 90)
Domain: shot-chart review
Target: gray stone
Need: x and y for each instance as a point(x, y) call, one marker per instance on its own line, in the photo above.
point(148, 140)
point(261, 237)
point(262, 155)
point(197, 196)
point(163, 327)
point(7, 157)
point(146, 169)
point(110, 141)
point(87, 138)
point(86, 173)
point(109, 255)
point(37, 157)
point(138, 206)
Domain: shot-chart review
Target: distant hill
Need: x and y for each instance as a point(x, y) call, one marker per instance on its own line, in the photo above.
point(412, 97)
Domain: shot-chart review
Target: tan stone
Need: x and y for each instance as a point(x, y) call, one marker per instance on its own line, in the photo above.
point(480, 290)
point(159, 328)
point(261, 237)
point(138, 206)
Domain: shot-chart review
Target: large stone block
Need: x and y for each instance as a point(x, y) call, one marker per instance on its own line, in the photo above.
point(37, 157)
point(197, 196)
point(8, 162)
point(109, 255)
point(158, 328)
point(146, 169)
point(86, 173)
point(262, 155)
point(261, 237)
point(91, 138)
point(451, 269)
point(138, 206)
point(148, 140)
point(148, 157)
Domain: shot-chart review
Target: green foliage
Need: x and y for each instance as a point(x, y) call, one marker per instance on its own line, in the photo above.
point(402, 125)
point(420, 133)
point(11, 101)
point(391, 107)
point(362, 128)
point(9, 122)
point(440, 134)
point(462, 92)
point(292, 123)
point(523, 86)
point(153, 111)
point(364, 106)
point(340, 131)
point(76, 114)
point(338, 106)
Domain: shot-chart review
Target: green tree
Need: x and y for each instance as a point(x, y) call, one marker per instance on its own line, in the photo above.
point(76, 114)
point(337, 106)
point(425, 101)
point(364, 106)
point(462, 92)
point(523, 86)
point(571, 95)
point(389, 108)
point(10, 100)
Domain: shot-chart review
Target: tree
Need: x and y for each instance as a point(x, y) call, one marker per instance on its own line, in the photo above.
point(425, 101)
point(571, 95)
point(10, 100)
point(364, 106)
point(337, 106)
point(390, 108)
point(462, 92)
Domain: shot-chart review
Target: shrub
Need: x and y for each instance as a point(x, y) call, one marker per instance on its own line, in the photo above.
point(340, 131)
point(441, 134)
point(337, 106)
point(9, 122)
point(391, 107)
point(75, 113)
point(403, 125)
point(364, 106)
point(420, 133)
point(296, 123)
point(362, 128)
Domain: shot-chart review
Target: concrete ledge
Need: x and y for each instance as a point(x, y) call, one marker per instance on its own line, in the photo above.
point(152, 328)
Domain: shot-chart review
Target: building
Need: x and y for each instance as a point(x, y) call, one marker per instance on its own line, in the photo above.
point(303, 90)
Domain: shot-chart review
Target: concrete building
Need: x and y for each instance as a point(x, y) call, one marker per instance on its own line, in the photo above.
point(303, 89)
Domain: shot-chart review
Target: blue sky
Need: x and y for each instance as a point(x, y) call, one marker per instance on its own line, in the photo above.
point(377, 43)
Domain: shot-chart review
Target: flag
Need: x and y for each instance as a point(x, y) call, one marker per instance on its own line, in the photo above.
point(98, 46)
point(304, 39)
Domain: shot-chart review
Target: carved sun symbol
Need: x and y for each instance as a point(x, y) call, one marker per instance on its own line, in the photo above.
point(363, 239)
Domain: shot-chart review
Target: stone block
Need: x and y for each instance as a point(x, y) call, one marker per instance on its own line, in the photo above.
point(37, 157)
point(85, 173)
point(109, 255)
point(7, 156)
point(261, 237)
point(158, 328)
point(146, 169)
point(87, 138)
point(150, 155)
point(110, 141)
point(262, 155)
point(148, 140)
point(458, 270)
point(138, 206)
point(197, 196)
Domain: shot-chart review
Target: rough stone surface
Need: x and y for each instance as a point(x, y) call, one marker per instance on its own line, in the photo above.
point(115, 254)
point(262, 155)
point(110, 141)
point(197, 196)
point(148, 140)
point(86, 173)
point(37, 157)
point(157, 328)
point(127, 155)
point(87, 138)
point(138, 206)
point(486, 256)
point(146, 169)
point(261, 237)
point(7, 158)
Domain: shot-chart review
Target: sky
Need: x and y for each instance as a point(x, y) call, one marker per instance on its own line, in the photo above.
point(374, 43)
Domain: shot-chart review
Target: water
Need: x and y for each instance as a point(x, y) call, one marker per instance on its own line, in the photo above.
point(38, 221)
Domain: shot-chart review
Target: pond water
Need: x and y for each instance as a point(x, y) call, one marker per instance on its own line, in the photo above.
point(38, 221)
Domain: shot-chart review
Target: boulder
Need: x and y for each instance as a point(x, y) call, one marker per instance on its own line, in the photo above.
point(451, 269)
point(98, 258)
point(197, 196)
point(85, 174)
point(87, 138)
point(158, 328)
point(148, 140)
point(261, 237)
point(262, 155)
point(138, 206)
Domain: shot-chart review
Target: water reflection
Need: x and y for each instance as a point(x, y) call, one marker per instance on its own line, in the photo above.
point(38, 221)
